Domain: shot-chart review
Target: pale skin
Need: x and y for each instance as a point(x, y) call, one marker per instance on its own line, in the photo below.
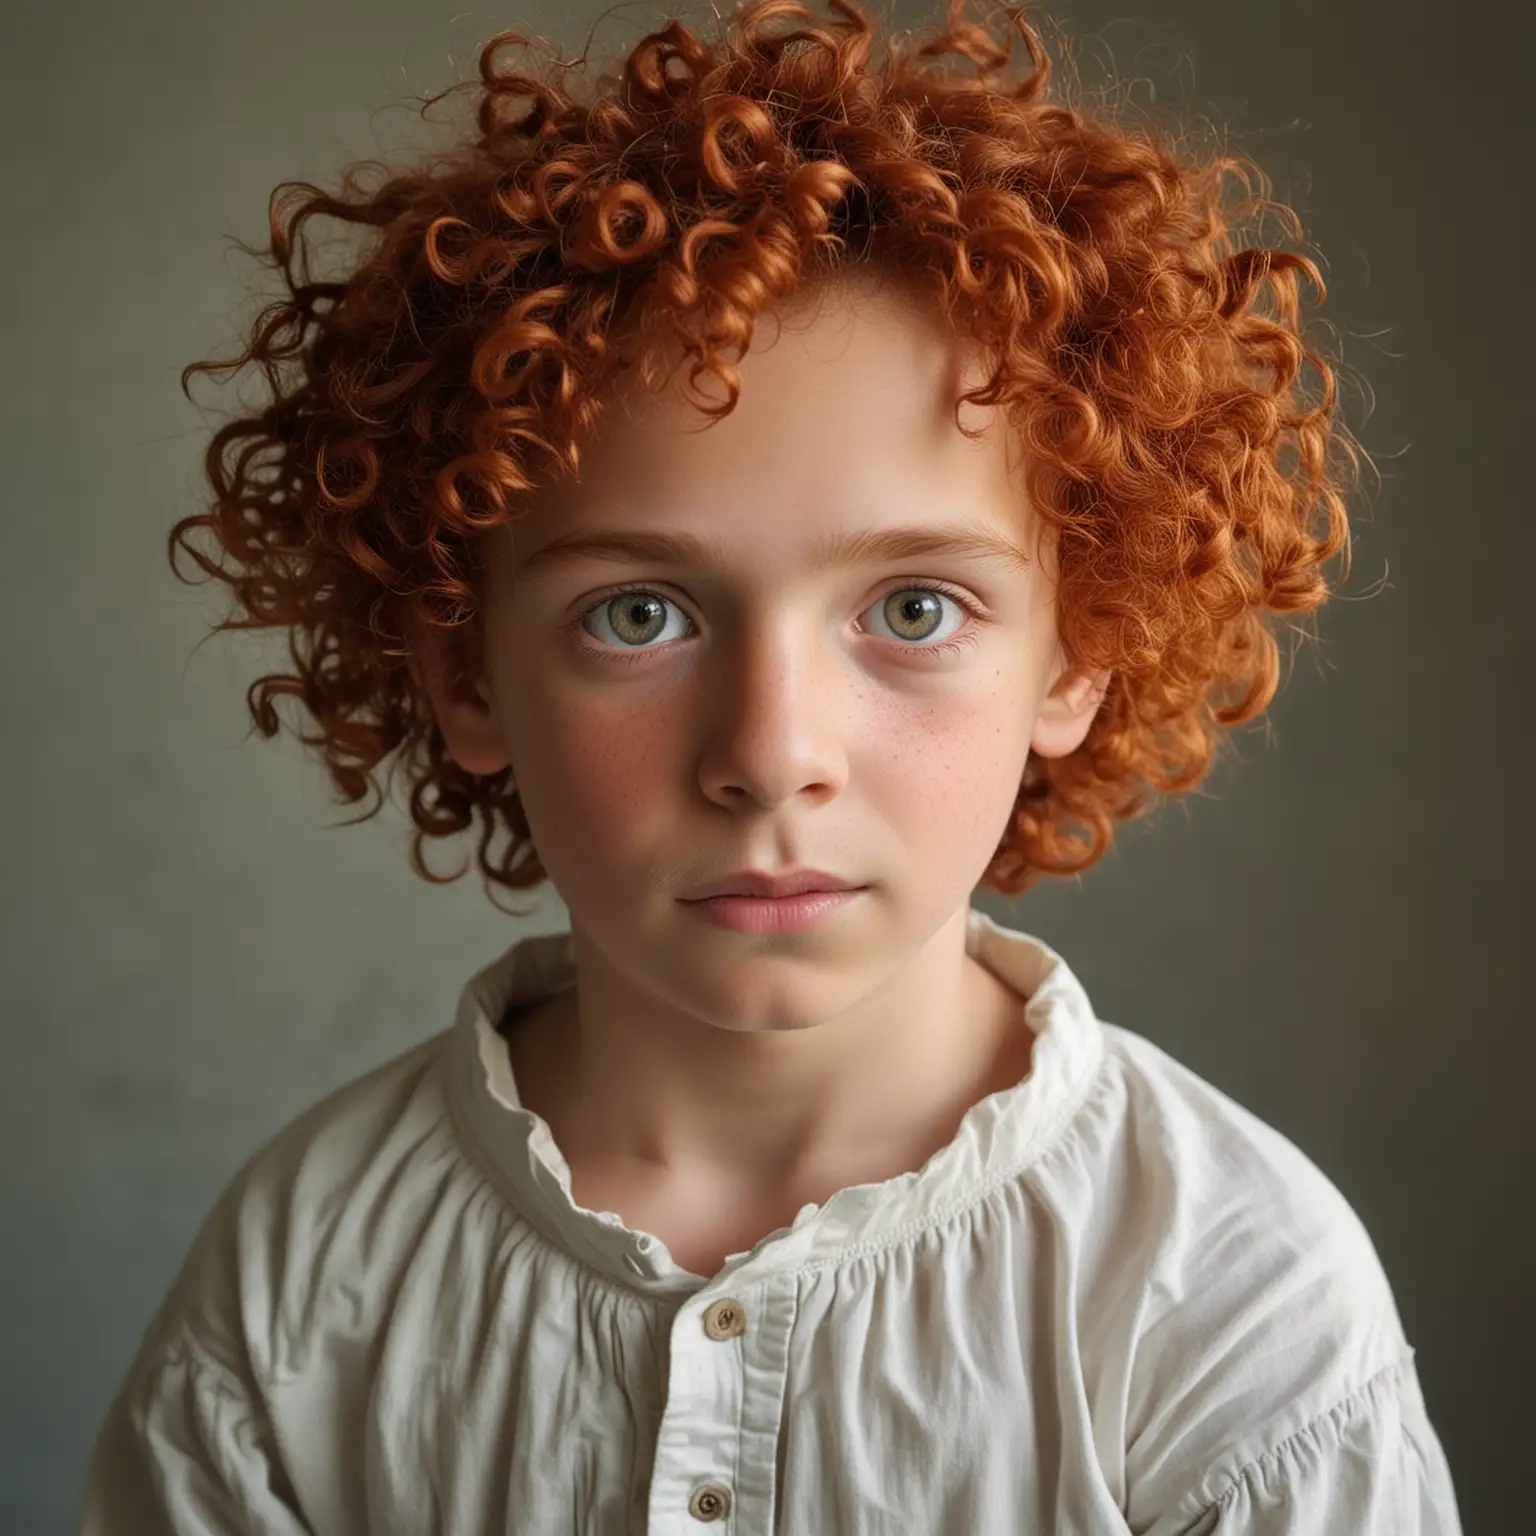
point(705, 1084)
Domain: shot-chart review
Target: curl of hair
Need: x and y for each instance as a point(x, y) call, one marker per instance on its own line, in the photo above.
point(461, 362)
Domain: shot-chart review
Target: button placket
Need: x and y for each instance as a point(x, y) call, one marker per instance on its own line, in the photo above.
point(712, 1409)
point(723, 1319)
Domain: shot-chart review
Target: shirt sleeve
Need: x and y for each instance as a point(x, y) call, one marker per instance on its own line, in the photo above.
point(1371, 1466)
point(186, 1450)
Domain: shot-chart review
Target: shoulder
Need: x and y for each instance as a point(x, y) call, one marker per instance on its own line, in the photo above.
point(1260, 1303)
point(1224, 1167)
point(1242, 1201)
point(311, 1220)
point(1201, 1179)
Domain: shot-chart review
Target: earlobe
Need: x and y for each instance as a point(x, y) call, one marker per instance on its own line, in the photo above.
point(1068, 711)
point(465, 712)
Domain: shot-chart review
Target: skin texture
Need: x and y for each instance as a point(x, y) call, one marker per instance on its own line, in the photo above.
point(778, 715)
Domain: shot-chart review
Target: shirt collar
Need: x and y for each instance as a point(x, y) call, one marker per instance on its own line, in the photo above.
point(997, 1139)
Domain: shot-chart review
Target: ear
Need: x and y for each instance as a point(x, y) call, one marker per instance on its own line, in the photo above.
point(461, 700)
point(1068, 710)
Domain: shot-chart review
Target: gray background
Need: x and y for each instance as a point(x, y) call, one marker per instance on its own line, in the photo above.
point(1334, 933)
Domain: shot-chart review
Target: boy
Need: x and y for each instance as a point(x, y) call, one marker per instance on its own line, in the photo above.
point(786, 1192)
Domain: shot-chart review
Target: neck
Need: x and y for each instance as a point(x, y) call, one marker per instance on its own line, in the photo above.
point(646, 1092)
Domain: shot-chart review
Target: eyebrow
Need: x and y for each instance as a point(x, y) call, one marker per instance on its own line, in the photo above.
point(867, 546)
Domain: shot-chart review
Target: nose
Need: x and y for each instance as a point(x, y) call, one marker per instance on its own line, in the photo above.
point(777, 719)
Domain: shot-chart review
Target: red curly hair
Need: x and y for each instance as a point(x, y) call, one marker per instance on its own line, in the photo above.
point(461, 362)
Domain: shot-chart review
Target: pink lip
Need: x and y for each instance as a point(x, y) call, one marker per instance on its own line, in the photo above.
point(774, 914)
point(763, 883)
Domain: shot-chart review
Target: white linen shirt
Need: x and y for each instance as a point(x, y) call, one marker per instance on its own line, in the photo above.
point(1115, 1301)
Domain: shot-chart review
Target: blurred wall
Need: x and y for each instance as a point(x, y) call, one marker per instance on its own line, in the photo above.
point(193, 953)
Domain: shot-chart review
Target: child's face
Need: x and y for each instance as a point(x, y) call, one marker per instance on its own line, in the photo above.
point(774, 713)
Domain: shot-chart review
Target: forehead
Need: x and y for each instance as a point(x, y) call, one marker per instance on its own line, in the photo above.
point(843, 437)
point(845, 360)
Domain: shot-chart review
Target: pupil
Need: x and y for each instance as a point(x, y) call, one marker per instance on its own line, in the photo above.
point(639, 611)
point(913, 607)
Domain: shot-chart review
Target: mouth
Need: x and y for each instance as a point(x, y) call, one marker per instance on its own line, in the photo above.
point(762, 885)
point(798, 913)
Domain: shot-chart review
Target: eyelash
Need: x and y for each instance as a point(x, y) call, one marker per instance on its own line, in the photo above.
point(963, 641)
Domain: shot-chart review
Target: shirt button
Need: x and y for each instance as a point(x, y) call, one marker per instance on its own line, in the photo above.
point(640, 1252)
point(711, 1502)
point(725, 1319)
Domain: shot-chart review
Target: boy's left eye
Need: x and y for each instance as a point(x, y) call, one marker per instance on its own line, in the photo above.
point(903, 609)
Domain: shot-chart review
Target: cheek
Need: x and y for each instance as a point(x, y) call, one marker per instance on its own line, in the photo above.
point(595, 782)
point(948, 774)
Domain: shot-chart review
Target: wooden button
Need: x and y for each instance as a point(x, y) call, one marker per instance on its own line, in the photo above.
point(724, 1319)
point(711, 1502)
